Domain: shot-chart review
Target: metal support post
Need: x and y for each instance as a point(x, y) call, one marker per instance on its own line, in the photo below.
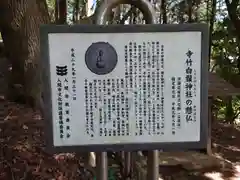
point(102, 166)
point(102, 17)
point(127, 163)
point(153, 165)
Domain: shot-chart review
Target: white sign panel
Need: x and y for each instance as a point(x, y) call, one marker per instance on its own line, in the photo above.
point(150, 92)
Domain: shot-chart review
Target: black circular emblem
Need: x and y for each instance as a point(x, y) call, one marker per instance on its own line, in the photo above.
point(101, 58)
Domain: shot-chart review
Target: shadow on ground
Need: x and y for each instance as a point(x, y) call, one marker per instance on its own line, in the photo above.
point(223, 165)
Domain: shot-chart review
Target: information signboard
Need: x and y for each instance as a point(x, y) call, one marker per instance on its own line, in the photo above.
point(125, 87)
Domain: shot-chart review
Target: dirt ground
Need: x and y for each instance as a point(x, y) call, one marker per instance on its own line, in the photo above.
point(22, 154)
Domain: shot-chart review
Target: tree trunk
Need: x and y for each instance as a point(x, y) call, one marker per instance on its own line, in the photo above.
point(190, 11)
point(234, 16)
point(62, 16)
point(20, 21)
point(164, 12)
point(229, 113)
point(76, 11)
point(212, 20)
point(182, 7)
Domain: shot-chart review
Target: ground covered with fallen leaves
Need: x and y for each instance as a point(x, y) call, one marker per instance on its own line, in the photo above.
point(23, 155)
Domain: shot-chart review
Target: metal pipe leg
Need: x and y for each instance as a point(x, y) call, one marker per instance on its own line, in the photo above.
point(122, 155)
point(127, 163)
point(153, 165)
point(92, 159)
point(102, 166)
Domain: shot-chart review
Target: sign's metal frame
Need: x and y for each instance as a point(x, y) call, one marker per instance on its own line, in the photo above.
point(48, 29)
